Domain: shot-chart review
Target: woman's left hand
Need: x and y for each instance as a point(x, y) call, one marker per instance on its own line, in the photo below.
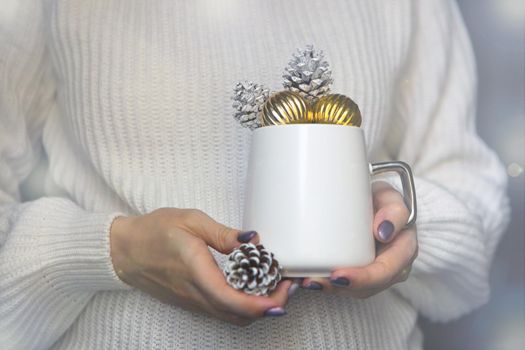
point(396, 251)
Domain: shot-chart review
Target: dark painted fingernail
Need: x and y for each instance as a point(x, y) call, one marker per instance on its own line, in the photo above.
point(314, 286)
point(245, 237)
point(385, 230)
point(341, 281)
point(293, 288)
point(275, 311)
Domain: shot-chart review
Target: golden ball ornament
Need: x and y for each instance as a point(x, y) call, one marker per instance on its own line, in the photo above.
point(336, 109)
point(285, 107)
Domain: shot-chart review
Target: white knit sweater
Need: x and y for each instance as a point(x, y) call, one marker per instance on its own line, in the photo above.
point(130, 100)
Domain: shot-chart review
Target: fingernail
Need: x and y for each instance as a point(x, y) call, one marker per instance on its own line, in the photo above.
point(314, 286)
point(341, 281)
point(293, 288)
point(245, 237)
point(385, 230)
point(275, 311)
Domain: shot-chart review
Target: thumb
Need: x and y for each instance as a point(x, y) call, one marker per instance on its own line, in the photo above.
point(218, 236)
point(391, 213)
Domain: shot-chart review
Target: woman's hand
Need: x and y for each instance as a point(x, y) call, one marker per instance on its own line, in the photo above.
point(165, 254)
point(396, 251)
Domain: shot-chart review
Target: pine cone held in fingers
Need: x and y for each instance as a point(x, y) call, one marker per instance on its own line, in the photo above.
point(252, 269)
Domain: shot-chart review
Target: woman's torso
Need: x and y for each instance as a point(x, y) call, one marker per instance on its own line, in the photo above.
point(144, 120)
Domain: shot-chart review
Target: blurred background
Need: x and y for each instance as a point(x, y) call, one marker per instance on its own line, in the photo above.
point(497, 31)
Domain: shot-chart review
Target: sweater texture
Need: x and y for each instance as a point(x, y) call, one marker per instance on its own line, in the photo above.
point(129, 101)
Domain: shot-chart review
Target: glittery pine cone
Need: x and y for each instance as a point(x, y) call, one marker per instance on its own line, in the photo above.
point(308, 74)
point(249, 99)
point(252, 269)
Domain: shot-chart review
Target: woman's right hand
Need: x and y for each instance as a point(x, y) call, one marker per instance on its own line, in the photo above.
point(165, 253)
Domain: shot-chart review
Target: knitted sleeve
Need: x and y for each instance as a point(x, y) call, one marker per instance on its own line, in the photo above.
point(460, 183)
point(53, 255)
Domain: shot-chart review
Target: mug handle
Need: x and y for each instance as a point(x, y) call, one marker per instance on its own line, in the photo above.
point(407, 180)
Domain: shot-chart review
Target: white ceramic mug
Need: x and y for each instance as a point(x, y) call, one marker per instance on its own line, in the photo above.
point(308, 195)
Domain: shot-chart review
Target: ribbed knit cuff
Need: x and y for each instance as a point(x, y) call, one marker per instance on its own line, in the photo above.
point(450, 275)
point(55, 257)
point(74, 246)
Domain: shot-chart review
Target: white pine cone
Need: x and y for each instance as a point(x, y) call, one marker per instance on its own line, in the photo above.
point(249, 99)
point(253, 269)
point(308, 74)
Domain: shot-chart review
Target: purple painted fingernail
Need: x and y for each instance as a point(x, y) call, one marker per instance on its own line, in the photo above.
point(314, 286)
point(385, 230)
point(245, 237)
point(293, 288)
point(275, 311)
point(341, 281)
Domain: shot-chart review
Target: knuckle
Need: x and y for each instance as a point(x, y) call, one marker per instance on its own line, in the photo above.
point(384, 268)
point(221, 237)
point(253, 312)
point(382, 190)
point(404, 274)
point(379, 185)
point(242, 311)
point(235, 309)
point(376, 201)
point(162, 212)
point(187, 217)
point(386, 275)
point(400, 208)
point(413, 251)
point(192, 213)
point(219, 303)
point(395, 195)
point(226, 310)
point(365, 280)
point(403, 277)
point(282, 302)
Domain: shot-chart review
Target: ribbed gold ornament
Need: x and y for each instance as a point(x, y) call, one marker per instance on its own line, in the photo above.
point(285, 107)
point(336, 109)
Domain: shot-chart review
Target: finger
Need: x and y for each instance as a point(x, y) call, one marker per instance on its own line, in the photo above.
point(366, 293)
point(387, 265)
point(317, 283)
point(257, 306)
point(403, 275)
point(222, 238)
point(391, 213)
point(281, 293)
point(210, 279)
point(296, 283)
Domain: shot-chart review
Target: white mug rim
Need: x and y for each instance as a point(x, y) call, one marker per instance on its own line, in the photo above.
point(309, 125)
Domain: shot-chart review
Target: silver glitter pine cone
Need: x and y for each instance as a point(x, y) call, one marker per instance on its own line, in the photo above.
point(252, 269)
point(308, 74)
point(249, 99)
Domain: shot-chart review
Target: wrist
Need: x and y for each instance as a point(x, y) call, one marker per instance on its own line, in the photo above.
point(120, 238)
